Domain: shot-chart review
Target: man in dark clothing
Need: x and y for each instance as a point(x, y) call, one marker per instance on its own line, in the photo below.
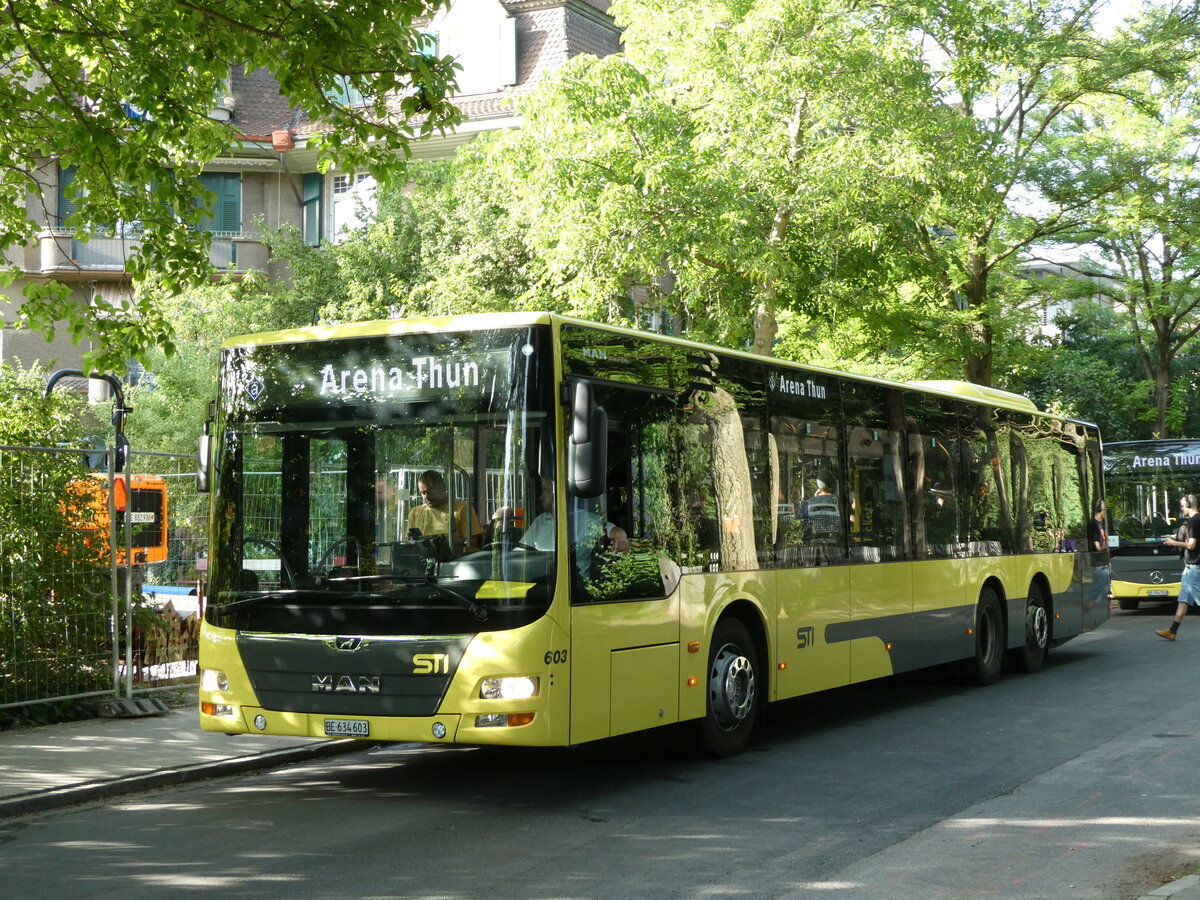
point(1189, 586)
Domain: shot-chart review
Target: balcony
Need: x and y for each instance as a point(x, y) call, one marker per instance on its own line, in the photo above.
point(63, 256)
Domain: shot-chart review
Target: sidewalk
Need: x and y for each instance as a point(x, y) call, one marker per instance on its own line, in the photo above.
point(54, 766)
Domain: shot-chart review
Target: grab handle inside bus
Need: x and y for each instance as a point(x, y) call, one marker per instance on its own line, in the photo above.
point(587, 446)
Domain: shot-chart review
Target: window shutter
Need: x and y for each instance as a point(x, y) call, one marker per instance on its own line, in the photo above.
point(227, 208)
point(66, 206)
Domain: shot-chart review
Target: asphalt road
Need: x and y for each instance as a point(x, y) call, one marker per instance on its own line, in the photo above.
point(1080, 781)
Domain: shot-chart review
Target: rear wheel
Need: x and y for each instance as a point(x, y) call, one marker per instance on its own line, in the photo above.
point(989, 638)
point(734, 691)
point(1030, 656)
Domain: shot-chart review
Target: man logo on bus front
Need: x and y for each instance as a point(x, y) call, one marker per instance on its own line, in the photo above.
point(347, 643)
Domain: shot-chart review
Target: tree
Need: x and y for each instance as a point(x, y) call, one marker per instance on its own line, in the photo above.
point(1007, 73)
point(704, 163)
point(829, 157)
point(1144, 234)
point(1088, 371)
point(170, 407)
point(447, 242)
point(123, 93)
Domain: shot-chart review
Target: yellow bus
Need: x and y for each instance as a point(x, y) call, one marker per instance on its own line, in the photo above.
point(526, 529)
point(1144, 482)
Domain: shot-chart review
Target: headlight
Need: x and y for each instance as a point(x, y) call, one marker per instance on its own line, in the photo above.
point(213, 680)
point(513, 687)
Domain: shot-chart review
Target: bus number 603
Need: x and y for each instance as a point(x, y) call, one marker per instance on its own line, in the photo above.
point(556, 656)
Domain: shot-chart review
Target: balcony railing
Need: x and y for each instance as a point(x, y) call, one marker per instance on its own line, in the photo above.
point(62, 253)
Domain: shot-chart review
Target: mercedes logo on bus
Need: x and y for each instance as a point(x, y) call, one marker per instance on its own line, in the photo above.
point(1156, 577)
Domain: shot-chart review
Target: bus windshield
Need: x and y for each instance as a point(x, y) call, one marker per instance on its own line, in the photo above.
point(1144, 481)
point(382, 485)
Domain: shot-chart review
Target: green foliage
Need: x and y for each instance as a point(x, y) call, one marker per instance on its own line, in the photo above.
point(123, 94)
point(881, 166)
point(54, 596)
point(447, 243)
point(1090, 371)
point(170, 407)
point(1137, 152)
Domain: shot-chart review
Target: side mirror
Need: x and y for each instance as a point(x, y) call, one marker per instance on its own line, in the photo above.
point(203, 462)
point(587, 446)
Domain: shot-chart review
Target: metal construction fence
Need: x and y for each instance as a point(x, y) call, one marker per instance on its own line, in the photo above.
point(70, 626)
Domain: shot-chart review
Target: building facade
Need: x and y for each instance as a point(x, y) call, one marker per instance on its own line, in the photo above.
point(270, 177)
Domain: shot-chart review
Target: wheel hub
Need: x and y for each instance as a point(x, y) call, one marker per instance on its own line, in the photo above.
point(731, 687)
point(1037, 625)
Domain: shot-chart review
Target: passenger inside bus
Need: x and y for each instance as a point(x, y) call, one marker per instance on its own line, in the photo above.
point(589, 529)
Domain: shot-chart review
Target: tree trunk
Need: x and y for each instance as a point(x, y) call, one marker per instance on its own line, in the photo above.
point(978, 361)
point(765, 328)
point(1162, 397)
point(731, 480)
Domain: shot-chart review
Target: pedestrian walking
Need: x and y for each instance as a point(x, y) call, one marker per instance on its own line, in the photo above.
point(1189, 586)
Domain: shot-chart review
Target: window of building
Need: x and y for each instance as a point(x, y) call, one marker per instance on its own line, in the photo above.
point(343, 183)
point(225, 214)
point(311, 209)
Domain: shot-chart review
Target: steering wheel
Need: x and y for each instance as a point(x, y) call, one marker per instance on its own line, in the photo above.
point(284, 568)
point(510, 544)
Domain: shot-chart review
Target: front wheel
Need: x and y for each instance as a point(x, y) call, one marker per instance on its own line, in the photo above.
point(1128, 604)
point(734, 691)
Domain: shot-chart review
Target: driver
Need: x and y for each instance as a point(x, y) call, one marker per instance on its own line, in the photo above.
point(433, 515)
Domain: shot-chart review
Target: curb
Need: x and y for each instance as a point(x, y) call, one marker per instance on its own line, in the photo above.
point(58, 798)
point(1174, 888)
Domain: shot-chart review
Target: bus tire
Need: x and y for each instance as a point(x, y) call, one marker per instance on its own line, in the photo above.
point(1129, 604)
point(733, 688)
point(1030, 656)
point(989, 639)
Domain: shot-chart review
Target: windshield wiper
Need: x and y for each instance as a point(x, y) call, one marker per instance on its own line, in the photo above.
point(247, 602)
point(478, 611)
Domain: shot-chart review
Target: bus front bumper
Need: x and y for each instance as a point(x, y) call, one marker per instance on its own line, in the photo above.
point(1133, 590)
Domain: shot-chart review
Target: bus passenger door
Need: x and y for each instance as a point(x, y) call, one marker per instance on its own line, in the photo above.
point(624, 612)
point(881, 602)
point(812, 578)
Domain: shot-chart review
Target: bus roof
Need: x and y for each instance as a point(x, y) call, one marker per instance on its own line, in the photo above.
point(962, 390)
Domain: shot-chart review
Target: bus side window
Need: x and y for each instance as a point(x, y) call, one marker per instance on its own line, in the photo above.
point(876, 476)
point(989, 480)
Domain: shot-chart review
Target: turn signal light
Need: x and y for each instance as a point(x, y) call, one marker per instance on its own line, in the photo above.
point(503, 720)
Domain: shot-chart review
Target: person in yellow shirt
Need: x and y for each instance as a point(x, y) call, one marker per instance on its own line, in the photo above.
point(433, 515)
